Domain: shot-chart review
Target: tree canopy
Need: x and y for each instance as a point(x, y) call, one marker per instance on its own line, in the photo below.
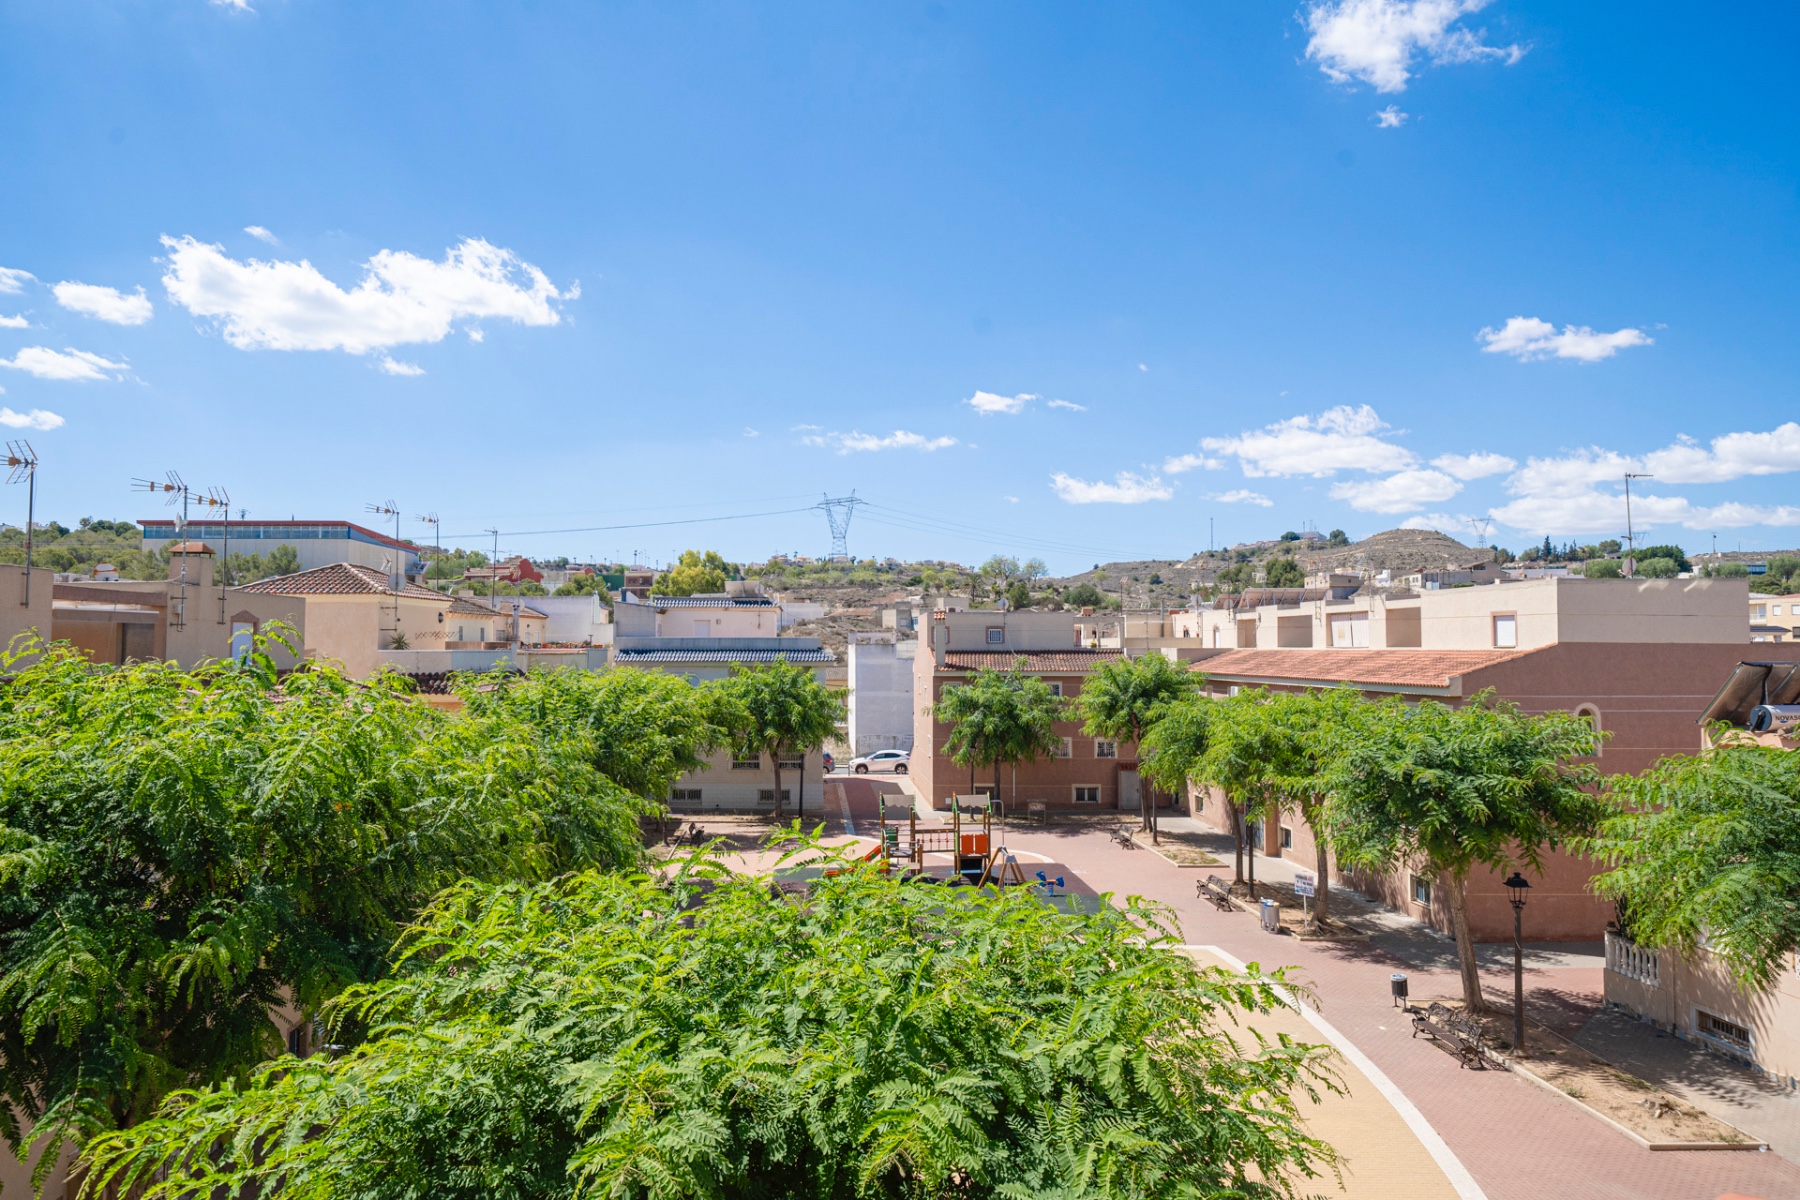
point(999, 717)
point(694, 573)
point(778, 709)
point(1123, 698)
point(182, 852)
point(587, 585)
point(1284, 573)
point(1483, 784)
point(607, 1035)
point(1705, 850)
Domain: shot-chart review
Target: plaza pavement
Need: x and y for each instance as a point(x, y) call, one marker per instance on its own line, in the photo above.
point(1516, 1141)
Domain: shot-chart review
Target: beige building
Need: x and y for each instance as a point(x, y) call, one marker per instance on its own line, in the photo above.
point(1774, 618)
point(1635, 656)
point(354, 613)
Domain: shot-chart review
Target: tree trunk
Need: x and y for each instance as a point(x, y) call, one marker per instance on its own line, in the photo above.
point(799, 790)
point(1455, 889)
point(1314, 818)
point(1237, 837)
point(780, 809)
point(1250, 853)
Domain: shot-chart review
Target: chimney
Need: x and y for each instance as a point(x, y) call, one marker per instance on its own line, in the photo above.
point(940, 636)
point(196, 558)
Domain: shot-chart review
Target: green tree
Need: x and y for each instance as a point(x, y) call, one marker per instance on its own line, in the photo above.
point(1445, 790)
point(586, 585)
point(1243, 752)
point(999, 717)
point(185, 851)
point(1337, 537)
point(1018, 596)
point(781, 710)
point(1124, 698)
point(607, 1035)
point(1284, 573)
point(1085, 595)
point(692, 574)
point(284, 560)
point(1670, 552)
point(1602, 568)
point(1308, 732)
point(1657, 568)
point(1727, 570)
point(1705, 850)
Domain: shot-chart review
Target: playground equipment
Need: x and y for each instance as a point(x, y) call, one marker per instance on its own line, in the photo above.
point(975, 858)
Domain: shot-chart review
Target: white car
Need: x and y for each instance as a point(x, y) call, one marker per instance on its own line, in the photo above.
point(882, 760)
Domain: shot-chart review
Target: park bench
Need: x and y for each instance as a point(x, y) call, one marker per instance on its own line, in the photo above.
point(1038, 811)
point(1456, 1032)
point(1212, 889)
point(1122, 835)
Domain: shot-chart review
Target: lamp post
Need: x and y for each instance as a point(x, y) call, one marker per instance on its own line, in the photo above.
point(1516, 887)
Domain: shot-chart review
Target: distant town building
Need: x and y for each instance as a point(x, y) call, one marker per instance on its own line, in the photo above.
point(316, 543)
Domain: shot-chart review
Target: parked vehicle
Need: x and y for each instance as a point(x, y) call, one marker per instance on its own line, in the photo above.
point(894, 761)
point(830, 763)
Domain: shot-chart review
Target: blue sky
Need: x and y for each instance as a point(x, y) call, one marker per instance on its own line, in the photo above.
point(1038, 278)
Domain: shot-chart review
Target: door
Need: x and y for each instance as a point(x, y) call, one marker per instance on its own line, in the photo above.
point(1129, 798)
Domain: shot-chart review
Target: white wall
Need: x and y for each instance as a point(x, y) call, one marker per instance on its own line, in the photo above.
point(881, 696)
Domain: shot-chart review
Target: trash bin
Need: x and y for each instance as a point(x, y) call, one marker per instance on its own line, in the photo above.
point(1397, 981)
point(1271, 916)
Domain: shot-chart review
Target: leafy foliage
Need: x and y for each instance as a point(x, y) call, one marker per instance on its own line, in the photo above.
point(694, 573)
point(641, 729)
point(1452, 788)
point(1707, 849)
point(186, 851)
point(602, 1036)
point(778, 709)
point(587, 585)
point(1284, 573)
point(999, 717)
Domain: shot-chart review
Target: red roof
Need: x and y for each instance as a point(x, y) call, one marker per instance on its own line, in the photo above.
point(338, 579)
point(1380, 668)
point(1039, 662)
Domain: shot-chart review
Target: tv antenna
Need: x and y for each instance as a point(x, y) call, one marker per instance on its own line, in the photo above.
point(838, 512)
point(1630, 538)
point(176, 491)
point(21, 462)
point(391, 509)
point(437, 535)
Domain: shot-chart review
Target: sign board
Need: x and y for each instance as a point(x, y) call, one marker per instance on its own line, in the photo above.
point(1303, 884)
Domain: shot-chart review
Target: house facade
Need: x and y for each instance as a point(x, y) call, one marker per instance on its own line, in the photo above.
point(881, 692)
point(354, 614)
point(1086, 774)
point(1636, 657)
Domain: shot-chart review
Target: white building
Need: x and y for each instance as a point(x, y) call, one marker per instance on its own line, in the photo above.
point(881, 693)
point(317, 543)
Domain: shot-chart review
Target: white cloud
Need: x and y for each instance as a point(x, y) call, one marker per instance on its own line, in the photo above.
point(1244, 496)
point(1376, 41)
point(1390, 117)
point(1441, 522)
point(1732, 456)
point(852, 442)
point(1010, 499)
point(400, 299)
point(1402, 492)
point(1068, 405)
point(1340, 439)
point(262, 235)
point(14, 323)
point(1528, 338)
point(749, 432)
point(1180, 463)
point(1473, 466)
point(104, 303)
point(988, 404)
point(13, 280)
point(239, 5)
point(477, 334)
point(45, 363)
point(1143, 366)
point(37, 418)
point(393, 366)
point(1127, 487)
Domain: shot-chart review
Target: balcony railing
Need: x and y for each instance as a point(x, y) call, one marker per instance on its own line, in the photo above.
point(1625, 957)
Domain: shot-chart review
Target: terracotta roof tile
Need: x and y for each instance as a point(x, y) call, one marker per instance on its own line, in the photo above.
point(1058, 662)
point(1389, 668)
point(338, 579)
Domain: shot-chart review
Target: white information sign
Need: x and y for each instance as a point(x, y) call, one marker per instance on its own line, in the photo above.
point(1303, 884)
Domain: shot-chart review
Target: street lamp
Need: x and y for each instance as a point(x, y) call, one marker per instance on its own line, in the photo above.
point(1516, 887)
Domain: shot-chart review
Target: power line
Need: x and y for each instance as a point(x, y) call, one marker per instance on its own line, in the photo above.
point(637, 525)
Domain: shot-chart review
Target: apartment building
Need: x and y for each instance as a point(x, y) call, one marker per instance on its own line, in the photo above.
point(1774, 618)
point(317, 543)
point(1086, 774)
point(1638, 657)
point(880, 704)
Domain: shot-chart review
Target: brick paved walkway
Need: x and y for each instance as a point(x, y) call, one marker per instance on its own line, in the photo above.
point(1519, 1142)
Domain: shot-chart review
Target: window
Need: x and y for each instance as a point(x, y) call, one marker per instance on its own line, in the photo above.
point(996, 635)
point(1591, 715)
point(1287, 838)
point(746, 762)
point(1349, 630)
point(1065, 748)
point(1759, 612)
point(767, 796)
point(1506, 631)
point(1086, 794)
point(1774, 610)
point(1056, 690)
point(1103, 749)
point(794, 764)
point(1729, 1032)
point(1421, 889)
point(685, 796)
point(1256, 835)
point(243, 636)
